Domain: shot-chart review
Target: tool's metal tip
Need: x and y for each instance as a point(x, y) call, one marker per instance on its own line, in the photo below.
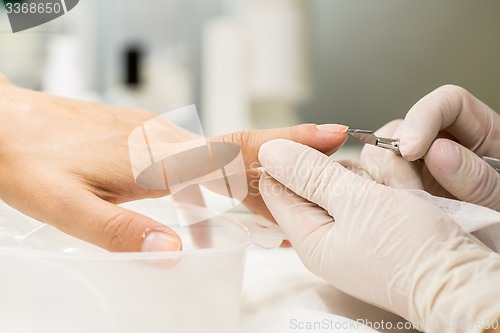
point(365, 136)
point(360, 131)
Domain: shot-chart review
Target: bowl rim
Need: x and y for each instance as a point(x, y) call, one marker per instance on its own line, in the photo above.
point(121, 256)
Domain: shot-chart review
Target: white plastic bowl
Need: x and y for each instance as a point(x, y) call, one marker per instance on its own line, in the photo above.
point(53, 283)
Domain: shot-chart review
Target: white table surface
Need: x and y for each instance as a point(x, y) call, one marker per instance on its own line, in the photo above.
point(279, 292)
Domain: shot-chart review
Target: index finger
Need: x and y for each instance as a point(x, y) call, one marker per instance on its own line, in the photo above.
point(457, 111)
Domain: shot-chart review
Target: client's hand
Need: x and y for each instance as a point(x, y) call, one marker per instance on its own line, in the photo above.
point(66, 163)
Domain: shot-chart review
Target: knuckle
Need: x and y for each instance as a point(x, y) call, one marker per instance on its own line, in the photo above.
point(239, 138)
point(484, 190)
point(445, 99)
point(322, 179)
point(296, 133)
point(116, 229)
point(454, 92)
point(450, 88)
point(357, 168)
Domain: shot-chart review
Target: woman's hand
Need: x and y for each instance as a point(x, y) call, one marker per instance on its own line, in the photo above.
point(66, 163)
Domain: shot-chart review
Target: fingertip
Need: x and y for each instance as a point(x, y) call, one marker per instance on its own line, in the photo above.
point(332, 128)
point(128, 231)
point(463, 173)
point(160, 239)
point(327, 138)
point(411, 145)
point(269, 150)
point(121, 230)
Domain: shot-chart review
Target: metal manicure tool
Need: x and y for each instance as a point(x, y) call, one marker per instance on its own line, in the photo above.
point(370, 138)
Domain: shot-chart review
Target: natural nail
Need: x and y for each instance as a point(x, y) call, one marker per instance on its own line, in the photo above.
point(160, 241)
point(450, 154)
point(332, 128)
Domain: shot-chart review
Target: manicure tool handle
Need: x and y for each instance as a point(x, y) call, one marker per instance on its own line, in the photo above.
point(393, 144)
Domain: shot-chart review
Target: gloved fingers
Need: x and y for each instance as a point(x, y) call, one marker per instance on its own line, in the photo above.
point(432, 186)
point(464, 174)
point(356, 167)
point(304, 223)
point(313, 175)
point(389, 168)
point(373, 157)
point(452, 108)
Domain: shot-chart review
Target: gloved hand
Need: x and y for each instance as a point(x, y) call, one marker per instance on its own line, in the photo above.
point(382, 245)
point(452, 130)
point(66, 163)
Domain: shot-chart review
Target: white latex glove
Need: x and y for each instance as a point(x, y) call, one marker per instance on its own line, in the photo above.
point(382, 245)
point(451, 129)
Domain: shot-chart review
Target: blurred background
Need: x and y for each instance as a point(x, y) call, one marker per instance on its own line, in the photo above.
point(262, 63)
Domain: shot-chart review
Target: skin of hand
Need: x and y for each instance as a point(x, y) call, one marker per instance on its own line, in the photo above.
point(451, 130)
point(66, 163)
point(382, 245)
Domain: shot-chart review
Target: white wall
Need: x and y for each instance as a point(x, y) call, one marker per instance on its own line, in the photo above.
point(373, 59)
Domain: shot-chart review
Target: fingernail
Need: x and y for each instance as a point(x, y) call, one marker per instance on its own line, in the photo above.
point(332, 128)
point(160, 241)
point(448, 154)
point(410, 143)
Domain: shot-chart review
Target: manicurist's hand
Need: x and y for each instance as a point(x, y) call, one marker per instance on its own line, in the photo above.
point(66, 163)
point(451, 130)
point(382, 245)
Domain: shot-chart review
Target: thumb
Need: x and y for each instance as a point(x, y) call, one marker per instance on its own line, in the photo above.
point(302, 221)
point(112, 227)
point(464, 174)
point(316, 177)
